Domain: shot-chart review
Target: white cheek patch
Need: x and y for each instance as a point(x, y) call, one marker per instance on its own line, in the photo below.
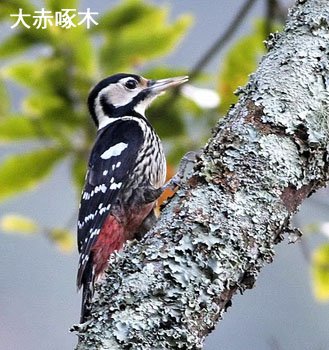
point(115, 95)
point(115, 150)
point(119, 96)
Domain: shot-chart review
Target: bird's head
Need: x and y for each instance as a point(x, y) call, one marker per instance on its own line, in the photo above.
point(123, 94)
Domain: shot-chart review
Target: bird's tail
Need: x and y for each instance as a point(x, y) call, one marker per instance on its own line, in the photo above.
point(87, 293)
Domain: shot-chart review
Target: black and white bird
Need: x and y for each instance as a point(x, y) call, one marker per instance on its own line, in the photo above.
point(126, 173)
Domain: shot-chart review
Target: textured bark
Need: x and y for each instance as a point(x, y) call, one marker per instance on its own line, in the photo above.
point(219, 230)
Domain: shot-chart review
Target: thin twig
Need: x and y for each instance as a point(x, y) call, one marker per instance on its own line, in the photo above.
point(220, 42)
point(304, 246)
point(270, 15)
point(275, 12)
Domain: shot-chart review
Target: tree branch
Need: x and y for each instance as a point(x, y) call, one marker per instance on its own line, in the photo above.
point(222, 40)
point(270, 153)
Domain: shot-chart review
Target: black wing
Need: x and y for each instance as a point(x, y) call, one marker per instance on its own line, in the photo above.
point(110, 164)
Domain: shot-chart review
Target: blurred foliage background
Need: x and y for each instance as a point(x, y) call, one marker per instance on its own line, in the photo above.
point(52, 122)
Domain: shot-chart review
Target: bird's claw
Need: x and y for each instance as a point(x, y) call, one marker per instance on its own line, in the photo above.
point(176, 180)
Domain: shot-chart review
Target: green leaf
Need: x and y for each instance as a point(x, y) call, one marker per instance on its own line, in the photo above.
point(18, 224)
point(16, 43)
point(54, 92)
point(79, 168)
point(166, 116)
point(22, 40)
point(19, 128)
point(4, 100)
point(22, 172)
point(45, 74)
point(11, 7)
point(125, 14)
point(63, 239)
point(241, 60)
point(161, 72)
point(44, 104)
point(55, 118)
point(320, 272)
point(134, 44)
point(58, 5)
point(76, 47)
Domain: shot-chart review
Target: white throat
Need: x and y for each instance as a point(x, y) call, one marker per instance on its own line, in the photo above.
point(104, 121)
point(142, 106)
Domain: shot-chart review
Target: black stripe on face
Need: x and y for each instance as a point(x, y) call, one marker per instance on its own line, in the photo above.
point(100, 86)
point(129, 109)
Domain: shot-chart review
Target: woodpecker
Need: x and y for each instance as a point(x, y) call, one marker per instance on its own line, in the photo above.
point(126, 174)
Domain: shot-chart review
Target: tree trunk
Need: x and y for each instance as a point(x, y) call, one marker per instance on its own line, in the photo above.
point(270, 153)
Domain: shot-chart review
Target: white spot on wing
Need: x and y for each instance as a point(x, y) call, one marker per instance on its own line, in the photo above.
point(84, 259)
point(90, 216)
point(86, 195)
point(80, 224)
point(104, 209)
point(101, 187)
point(114, 185)
point(114, 150)
point(94, 233)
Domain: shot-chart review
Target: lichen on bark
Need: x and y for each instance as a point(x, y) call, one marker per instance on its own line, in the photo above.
point(169, 290)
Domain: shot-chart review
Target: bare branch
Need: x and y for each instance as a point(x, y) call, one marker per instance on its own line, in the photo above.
point(222, 40)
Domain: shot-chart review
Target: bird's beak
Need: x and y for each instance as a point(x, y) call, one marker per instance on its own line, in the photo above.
point(158, 86)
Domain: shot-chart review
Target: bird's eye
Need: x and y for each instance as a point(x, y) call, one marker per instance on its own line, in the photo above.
point(131, 84)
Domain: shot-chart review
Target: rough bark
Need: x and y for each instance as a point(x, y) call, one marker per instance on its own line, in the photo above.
point(219, 230)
